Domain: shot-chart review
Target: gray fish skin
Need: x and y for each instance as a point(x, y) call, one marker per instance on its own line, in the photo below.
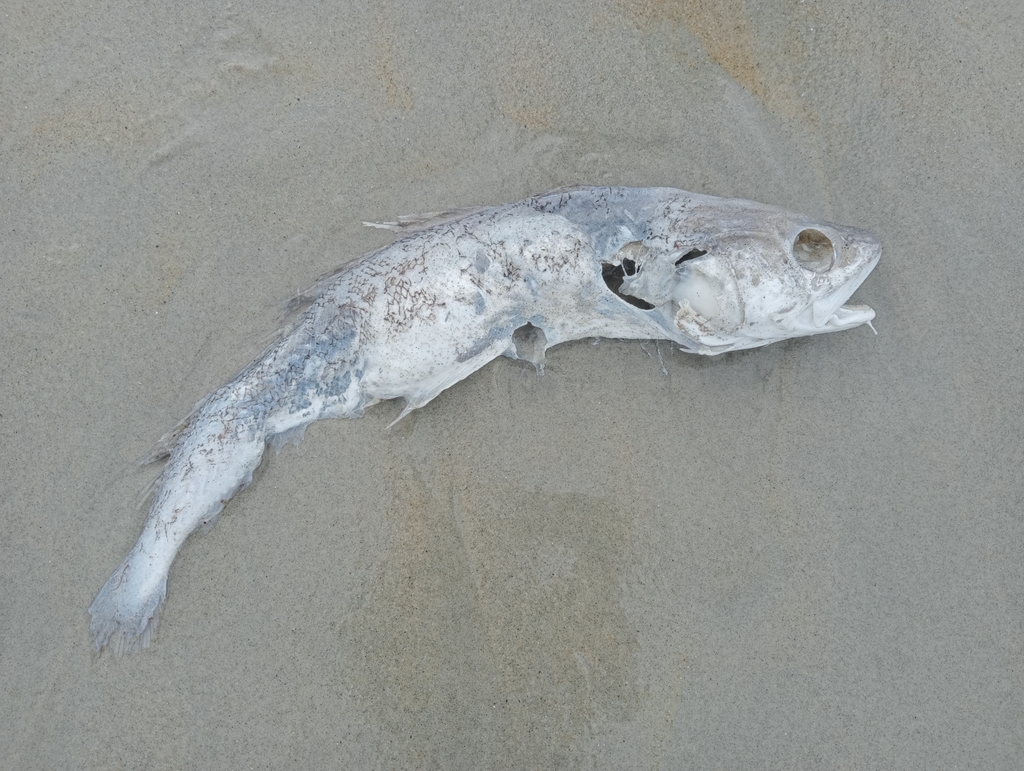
point(409, 320)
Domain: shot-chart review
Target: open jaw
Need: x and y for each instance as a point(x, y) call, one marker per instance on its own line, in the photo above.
point(847, 316)
point(831, 313)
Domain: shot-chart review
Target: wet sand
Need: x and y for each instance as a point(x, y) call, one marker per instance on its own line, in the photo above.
point(803, 556)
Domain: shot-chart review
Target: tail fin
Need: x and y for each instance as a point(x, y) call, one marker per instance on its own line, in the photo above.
point(127, 610)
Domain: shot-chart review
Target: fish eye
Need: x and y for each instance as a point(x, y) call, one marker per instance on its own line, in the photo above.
point(814, 251)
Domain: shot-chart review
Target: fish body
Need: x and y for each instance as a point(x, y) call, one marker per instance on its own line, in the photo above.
point(454, 292)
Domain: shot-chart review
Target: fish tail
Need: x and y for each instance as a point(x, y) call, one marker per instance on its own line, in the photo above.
point(213, 459)
point(212, 454)
point(124, 615)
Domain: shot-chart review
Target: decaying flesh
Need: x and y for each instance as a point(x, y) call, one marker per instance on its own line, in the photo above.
point(456, 291)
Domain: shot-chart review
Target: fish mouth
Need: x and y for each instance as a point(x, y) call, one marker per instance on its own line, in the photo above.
point(847, 316)
point(830, 312)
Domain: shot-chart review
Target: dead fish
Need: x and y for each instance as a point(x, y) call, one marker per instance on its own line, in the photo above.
point(459, 289)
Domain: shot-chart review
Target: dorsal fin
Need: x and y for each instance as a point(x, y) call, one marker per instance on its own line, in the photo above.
point(410, 223)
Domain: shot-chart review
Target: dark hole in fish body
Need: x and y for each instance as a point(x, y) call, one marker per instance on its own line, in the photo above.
point(613, 276)
point(691, 255)
point(530, 342)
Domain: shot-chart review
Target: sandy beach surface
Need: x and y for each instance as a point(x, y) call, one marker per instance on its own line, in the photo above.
point(808, 556)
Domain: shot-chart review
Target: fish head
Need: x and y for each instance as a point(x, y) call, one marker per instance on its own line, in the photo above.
point(741, 275)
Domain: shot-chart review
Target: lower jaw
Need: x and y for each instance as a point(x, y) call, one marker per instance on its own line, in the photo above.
point(847, 316)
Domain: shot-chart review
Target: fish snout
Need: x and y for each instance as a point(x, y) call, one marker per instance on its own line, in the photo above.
point(855, 253)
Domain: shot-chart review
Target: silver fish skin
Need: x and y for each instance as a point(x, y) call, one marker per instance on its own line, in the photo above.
point(454, 292)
